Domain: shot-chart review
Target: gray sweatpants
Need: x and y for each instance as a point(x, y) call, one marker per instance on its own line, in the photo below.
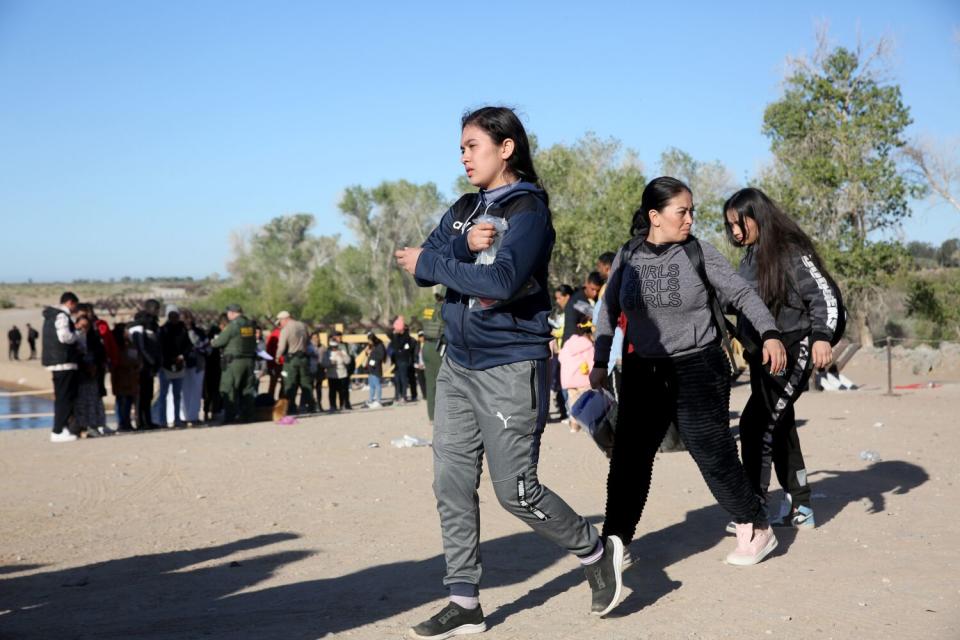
point(501, 411)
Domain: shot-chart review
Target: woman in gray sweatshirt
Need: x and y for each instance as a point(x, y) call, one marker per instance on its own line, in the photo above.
point(677, 371)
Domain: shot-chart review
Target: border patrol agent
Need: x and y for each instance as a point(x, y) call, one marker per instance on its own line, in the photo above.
point(433, 347)
point(238, 385)
point(294, 340)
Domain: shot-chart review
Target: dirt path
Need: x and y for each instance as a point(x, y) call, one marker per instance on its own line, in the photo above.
point(297, 532)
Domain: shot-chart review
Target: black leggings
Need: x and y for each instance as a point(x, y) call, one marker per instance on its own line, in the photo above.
point(768, 429)
point(339, 388)
point(692, 391)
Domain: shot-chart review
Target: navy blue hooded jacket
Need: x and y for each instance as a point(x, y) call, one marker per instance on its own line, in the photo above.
point(511, 332)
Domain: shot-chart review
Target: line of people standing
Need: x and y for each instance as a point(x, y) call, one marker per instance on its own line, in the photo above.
point(15, 339)
point(77, 347)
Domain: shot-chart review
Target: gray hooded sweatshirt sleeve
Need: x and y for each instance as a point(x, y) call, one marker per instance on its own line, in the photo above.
point(666, 303)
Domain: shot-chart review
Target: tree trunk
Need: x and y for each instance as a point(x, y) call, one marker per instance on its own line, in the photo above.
point(863, 329)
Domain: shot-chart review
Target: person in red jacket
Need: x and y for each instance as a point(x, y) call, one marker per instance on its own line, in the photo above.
point(109, 342)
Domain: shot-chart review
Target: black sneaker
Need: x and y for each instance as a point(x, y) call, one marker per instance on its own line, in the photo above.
point(606, 577)
point(453, 620)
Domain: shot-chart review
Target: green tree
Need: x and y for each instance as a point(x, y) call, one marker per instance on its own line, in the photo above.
point(326, 301)
point(948, 255)
point(595, 186)
point(922, 301)
point(219, 299)
point(924, 254)
point(833, 135)
point(391, 215)
point(273, 264)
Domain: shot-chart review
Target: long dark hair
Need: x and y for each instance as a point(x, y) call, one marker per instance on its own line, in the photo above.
point(501, 123)
point(656, 195)
point(779, 238)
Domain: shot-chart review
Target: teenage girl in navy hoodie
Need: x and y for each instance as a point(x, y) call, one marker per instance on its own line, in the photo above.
point(493, 389)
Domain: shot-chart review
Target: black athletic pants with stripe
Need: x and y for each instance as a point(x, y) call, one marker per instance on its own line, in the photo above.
point(768, 428)
point(693, 391)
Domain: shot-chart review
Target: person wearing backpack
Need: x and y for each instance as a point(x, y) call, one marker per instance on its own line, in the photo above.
point(678, 371)
point(782, 265)
point(491, 396)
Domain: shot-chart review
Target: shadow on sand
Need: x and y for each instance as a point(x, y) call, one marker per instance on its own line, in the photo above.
point(161, 596)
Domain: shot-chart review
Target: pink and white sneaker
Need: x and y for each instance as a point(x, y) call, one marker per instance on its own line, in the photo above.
point(753, 545)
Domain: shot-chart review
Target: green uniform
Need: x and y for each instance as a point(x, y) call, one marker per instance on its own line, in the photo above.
point(432, 331)
point(296, 374)
point(238, 385)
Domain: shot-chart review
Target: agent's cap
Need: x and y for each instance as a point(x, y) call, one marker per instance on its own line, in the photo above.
point(235, 307)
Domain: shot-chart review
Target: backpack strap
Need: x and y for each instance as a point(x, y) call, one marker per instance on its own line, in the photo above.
point(695, 254)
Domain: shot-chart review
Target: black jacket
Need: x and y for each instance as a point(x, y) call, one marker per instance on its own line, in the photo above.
point(375, 361)
point(810, 309)
point(174, 342)
point(54, 351)
point(143, 334)
point(404, 348)
point(570, 313)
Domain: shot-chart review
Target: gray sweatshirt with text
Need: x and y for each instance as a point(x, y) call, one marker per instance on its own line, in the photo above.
point(666, 304)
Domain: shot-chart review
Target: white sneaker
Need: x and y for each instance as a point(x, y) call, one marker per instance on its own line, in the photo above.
point(374, 405)
point(829, 382)
point(835, 381)
point(846, 382)
point(63, 436)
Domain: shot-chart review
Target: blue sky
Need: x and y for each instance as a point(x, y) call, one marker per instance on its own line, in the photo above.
point(136, 136)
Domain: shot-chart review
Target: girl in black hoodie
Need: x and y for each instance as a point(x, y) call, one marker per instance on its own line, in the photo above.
point(782, 264)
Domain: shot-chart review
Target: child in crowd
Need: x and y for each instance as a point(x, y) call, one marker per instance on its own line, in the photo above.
point(576, 360)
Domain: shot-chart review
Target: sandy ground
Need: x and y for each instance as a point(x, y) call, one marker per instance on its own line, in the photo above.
point(304, 531)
